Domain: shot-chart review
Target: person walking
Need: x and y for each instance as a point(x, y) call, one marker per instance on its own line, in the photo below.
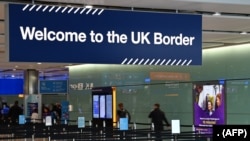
point(157, 118)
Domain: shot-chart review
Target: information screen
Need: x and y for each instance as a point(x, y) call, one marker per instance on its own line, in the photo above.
point(102, 107)
point(109, 106)
point(96, 106)
point(102, 99)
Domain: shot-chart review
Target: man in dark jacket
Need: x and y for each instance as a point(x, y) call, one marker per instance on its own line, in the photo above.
point(157, 117)
point(123, 113)
point(14, 112)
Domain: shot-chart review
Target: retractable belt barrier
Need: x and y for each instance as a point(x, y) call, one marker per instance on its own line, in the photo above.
point(72, 132)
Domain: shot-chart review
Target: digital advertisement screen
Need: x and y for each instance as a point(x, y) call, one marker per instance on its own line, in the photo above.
point(102, 106)
point(109, 106)
point(31, 107)
point(209, 106)
point(102, 103)
point(96, 106)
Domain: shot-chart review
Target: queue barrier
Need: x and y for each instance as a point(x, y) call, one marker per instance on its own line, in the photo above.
point(33, 131)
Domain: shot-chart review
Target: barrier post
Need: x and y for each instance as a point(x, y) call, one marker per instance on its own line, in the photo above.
point(175, 137)
point(90, 123)
point(134, 126)
point(149, 136)
point(118, 124)
point(104, 123)
point(193, 130)
point(12, 135)
point(101, 132)
point(124, 135)
point(175, 128)
point(33, 137)
point(152, 127)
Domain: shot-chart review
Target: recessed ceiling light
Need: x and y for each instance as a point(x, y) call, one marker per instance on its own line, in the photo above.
point(217, 14)
point(20, 95)
point(243, 33)
point(14, 69)
point(16, 66)
point(39, 63)
point(89, 6)
point(66, 66)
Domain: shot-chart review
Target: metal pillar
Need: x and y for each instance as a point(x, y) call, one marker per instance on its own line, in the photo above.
point(31, 78)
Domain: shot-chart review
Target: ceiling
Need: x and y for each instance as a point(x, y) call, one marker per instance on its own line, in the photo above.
point(218, 30)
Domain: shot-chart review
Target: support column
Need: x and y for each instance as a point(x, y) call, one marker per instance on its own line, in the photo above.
point(31, 77)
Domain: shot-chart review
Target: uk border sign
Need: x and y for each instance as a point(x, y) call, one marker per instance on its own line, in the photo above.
point(47, 33)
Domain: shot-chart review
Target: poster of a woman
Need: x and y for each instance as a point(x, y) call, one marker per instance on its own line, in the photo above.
point(209, 104)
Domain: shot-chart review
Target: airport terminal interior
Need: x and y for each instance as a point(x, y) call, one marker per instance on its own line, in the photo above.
point(211, 89)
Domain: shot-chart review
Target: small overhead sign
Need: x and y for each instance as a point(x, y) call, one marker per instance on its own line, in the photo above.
point(53, 86)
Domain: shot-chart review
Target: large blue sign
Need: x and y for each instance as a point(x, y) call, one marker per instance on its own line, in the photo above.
point(42, 33)
point(11, 86)
point(53, 86)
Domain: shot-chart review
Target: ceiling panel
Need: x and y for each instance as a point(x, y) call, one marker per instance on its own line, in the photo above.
point(210, 45)
point(2, 39)
point(2, 27)
point(158, 4)
point(245, 2)
point(2, 11)
point(2, 49)
point(93, 2)
point(224, 6)
point(197, 5)
point(237, 39)
point(27, 65)
point(2, 54)
point(215, 37)
point(225, 23)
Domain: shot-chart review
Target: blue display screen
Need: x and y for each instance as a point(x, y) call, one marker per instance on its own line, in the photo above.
point(102, 106)
point(96, 106)
point(109, 106)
